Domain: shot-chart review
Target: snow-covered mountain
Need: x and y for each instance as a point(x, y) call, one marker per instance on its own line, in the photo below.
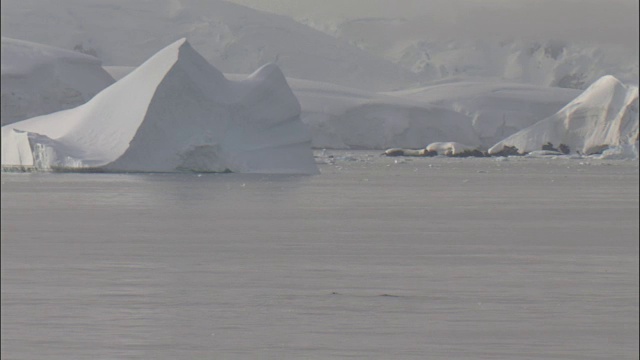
point(563, 43)
point(175, 112)
point(38, 79)
point(235, 38)
point(545, 63)
point(605, 114)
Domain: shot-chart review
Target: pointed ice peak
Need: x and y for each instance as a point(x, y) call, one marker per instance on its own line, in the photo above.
point(606, 81)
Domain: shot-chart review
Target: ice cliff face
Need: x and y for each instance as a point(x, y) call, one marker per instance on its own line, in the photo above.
point(39, 79)
point(175, 112)
point(605, 114)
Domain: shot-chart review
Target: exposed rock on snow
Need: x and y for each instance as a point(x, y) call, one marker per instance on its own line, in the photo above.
point(175, 112)
point(606, 113)
point(38, 79)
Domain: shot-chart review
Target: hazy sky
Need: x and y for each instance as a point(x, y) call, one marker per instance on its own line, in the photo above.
point(614, 21)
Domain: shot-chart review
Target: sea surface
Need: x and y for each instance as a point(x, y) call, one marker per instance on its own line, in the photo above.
point(375, 258)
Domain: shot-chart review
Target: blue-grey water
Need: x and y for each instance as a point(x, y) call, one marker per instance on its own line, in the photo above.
point(373, 259)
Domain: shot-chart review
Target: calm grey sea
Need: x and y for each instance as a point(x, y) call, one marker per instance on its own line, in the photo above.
point(376, 258)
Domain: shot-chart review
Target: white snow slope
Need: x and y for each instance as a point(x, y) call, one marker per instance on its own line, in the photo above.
point(235, 38)
point(175, 112)
point(38, 79)
point(605, 114)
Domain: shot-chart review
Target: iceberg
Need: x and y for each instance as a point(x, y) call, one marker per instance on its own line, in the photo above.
point(604, 115)
point(175, 112)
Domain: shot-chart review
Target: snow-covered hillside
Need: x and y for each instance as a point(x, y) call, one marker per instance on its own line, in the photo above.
point(605, 114)
point(38, 79)
point(174, 112)
point(235, 38)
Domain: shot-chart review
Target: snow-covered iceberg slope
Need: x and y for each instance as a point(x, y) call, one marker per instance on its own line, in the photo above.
point(38, 79)
point(605, 114)
point(175, 112)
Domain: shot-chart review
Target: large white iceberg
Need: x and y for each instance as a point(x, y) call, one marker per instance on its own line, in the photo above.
point(605, 114)
point(175, 112)
point(38, 79)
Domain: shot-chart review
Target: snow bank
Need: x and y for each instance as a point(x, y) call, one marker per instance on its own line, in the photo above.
point(175, 112)
point(38, 79)
point(605, 114)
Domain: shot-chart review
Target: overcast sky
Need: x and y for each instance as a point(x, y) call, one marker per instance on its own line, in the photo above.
point(613, 21)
